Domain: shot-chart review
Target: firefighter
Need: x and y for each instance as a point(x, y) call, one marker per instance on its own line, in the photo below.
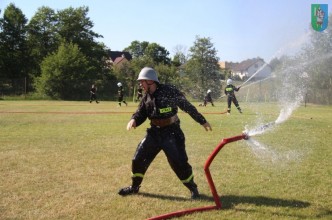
point(229, 91)
point(120, 94)
point(160, 105)
point(93, 95)
point(208, 98)
point(139, 94)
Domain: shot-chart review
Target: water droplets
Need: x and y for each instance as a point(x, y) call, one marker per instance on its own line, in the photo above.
point(268, 155)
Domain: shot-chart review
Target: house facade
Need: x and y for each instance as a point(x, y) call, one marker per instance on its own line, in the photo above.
point(117, 58)
point(247, 68)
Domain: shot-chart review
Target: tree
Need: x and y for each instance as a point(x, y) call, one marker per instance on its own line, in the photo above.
point(203, 69)
point(48, 29)
point(64, 73)
point(180, 56)
point(75, 26)
point(167, 74)
point(13, 45)
point(42, 36)
point(137, 49)
point(158, 53)
point(146, 50)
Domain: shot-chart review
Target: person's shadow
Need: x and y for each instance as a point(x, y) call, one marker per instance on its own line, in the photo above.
point(229, 201)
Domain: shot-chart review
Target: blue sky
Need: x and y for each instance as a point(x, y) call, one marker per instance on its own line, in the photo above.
point(239, 29)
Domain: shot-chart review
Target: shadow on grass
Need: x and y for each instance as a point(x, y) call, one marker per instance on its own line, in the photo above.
point(159, 196)
point(229, 201)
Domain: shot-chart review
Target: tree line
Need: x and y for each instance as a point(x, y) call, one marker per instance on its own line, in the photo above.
point(59, 55)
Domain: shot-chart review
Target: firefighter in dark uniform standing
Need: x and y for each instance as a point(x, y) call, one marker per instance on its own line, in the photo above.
point(160, 105)
point(229, 91)
point(93, 92)
point(120, 94)
point(139, 94)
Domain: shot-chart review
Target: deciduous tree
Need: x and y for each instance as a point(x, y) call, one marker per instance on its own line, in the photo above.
point(203, 69)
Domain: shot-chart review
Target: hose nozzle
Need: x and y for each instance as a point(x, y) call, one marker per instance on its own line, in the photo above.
point(245, 135)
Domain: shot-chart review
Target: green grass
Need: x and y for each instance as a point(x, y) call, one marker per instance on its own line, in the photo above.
point(67, 160)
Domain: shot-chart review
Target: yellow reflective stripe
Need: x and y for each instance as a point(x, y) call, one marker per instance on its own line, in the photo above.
point(137, 175)
point(165, 110)
point(229, 89)
point(188, 180)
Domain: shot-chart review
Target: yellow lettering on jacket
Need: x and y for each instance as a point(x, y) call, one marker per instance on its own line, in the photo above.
point(165, 110)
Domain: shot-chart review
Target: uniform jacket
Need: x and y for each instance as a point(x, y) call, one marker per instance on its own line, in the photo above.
point(120, 91)
point(229, 90)
point(208, 97)
point(93, 90)
point(164, 103)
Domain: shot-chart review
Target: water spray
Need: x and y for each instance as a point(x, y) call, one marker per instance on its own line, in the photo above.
point(215, 195)
point(242, 85)
point(272, 76)
point(257, 71)
point(260, 129)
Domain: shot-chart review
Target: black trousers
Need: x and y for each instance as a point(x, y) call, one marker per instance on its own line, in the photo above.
point(231, 99)
point(93, 97)
point(171, 140)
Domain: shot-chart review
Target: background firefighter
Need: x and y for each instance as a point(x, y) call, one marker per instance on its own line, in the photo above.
point(229, 91)
point(120, 94)
point(160, 104)
point(93, 94)
point(208, 98)
point(139, 94)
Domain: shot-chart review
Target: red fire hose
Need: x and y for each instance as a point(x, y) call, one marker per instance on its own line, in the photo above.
point(210, 181)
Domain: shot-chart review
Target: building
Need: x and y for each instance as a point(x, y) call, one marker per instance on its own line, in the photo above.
point(247, 68)
point(118, 57)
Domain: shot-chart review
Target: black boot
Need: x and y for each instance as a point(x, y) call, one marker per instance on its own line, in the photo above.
point(128, 190)
point(193, 189)
point(133, 189)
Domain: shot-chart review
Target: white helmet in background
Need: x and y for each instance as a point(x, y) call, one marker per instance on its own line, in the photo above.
point(229, 82)
point(209, 91)
point(147, 73)
point(119, 84)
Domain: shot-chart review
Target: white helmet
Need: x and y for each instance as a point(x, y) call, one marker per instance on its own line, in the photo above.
point(209, 91)
point(229, 82)
point(119, 84)
point(147, 73)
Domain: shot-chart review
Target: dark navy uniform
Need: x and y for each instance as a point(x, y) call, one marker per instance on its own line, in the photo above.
point(164, 134)
point(93, 95)
point(120, 96)
point(229, 91)
point(139, 94)
point(208, 98)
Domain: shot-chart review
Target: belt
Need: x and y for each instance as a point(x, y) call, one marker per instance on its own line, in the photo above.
point(164, 122)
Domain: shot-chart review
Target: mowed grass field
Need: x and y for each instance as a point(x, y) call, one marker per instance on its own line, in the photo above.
point(67, 160)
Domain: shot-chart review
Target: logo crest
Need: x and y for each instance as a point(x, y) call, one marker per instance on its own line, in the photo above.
point(319, 17)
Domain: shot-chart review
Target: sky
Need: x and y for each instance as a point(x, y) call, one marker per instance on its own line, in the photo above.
point(238, 29)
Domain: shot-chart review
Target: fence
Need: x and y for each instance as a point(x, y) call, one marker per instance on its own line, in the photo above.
point(265, 91)
point(107, 90)
point(269, 91)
